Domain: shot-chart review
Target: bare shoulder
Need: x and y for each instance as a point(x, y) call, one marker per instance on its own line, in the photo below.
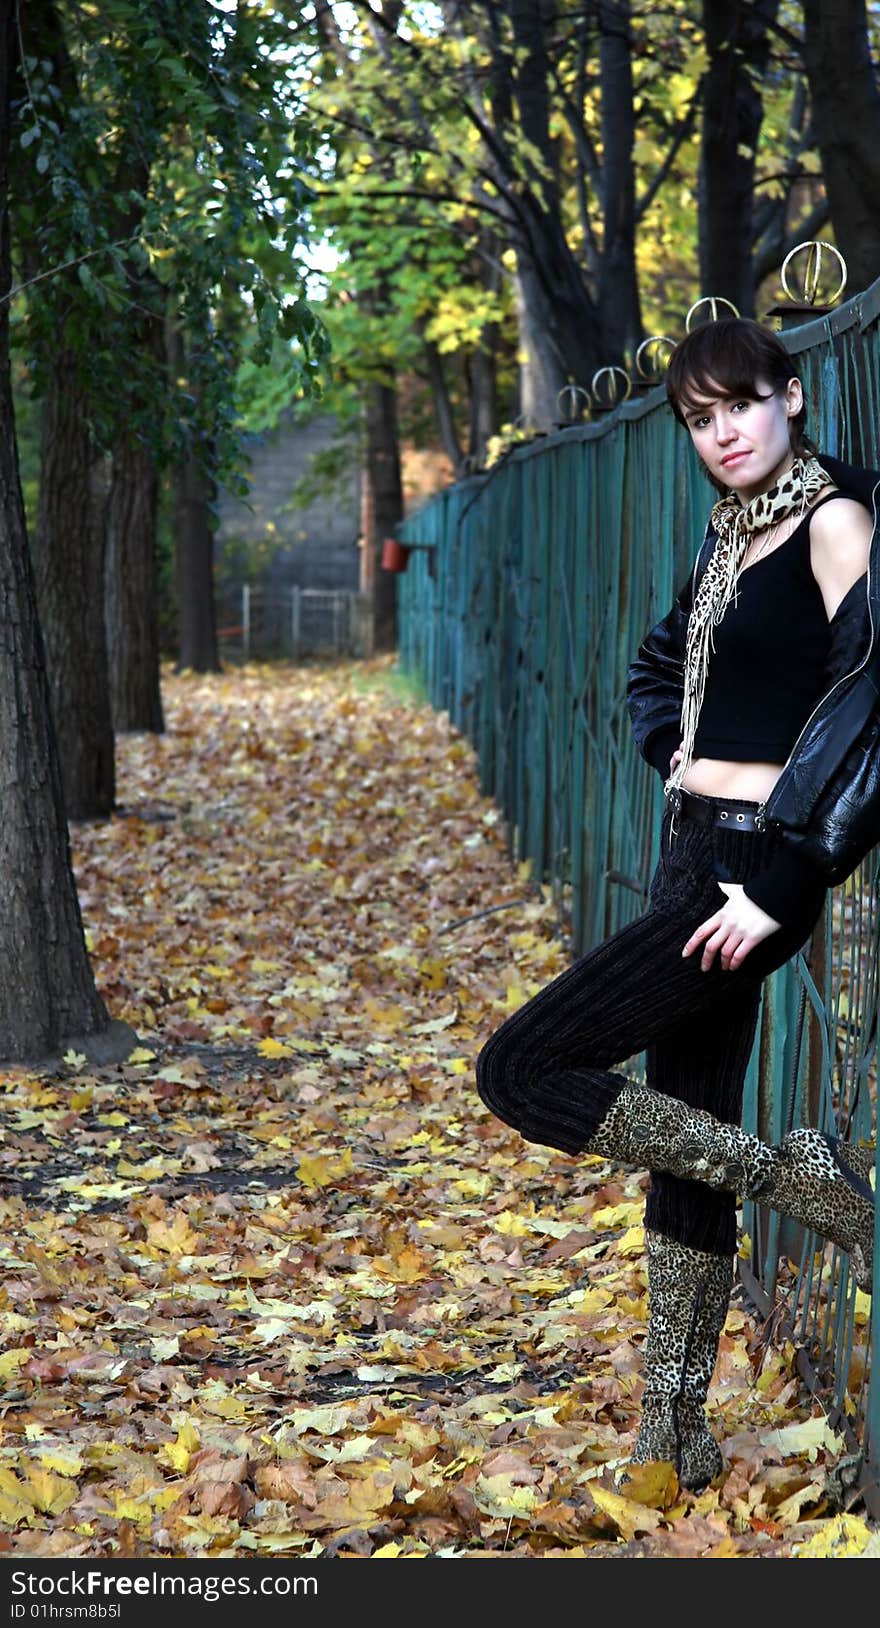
point(840, 545)
point(842, 521)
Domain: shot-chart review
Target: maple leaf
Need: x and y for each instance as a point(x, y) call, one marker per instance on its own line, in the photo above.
point(175, 1237)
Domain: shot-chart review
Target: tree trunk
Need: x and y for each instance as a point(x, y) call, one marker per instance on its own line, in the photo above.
point(483, 371)
point(69, 569)
point(542, 370)
point(484, 391)
point(559, 331)
point(47, 992)
point(442, 404)
point(620, 315)
point(197, 623)
point(737, 40)
point(846, 114)
point(132, 593)
point(382, 508)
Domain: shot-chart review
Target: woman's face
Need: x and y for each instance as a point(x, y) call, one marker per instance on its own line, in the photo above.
point(745, 441)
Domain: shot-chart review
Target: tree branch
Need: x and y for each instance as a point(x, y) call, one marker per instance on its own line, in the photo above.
point(684, 129)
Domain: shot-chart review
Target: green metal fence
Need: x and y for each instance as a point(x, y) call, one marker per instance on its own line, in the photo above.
point(527, 593)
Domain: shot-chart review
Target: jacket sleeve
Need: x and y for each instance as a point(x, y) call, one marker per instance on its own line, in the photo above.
point(655, 685)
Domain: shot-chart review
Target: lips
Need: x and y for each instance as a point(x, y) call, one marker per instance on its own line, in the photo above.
point(733, 458)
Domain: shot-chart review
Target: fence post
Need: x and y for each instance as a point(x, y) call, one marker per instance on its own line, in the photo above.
point(295, 620)
point(246, 620)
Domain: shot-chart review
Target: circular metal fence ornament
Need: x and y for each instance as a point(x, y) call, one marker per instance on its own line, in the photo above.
point(568, 398)
point(813, 271)
point(656, 340)
point(713, 301)
point(610, 373)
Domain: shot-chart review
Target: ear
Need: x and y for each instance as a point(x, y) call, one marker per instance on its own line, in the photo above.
point(794, 397)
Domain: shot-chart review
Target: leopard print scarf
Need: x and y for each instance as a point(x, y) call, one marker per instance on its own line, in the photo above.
point(734, 525)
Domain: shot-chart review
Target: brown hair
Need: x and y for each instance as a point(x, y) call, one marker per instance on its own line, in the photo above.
point(732, 355)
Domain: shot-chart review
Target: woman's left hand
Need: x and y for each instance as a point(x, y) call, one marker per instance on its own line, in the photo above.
point(733, 931)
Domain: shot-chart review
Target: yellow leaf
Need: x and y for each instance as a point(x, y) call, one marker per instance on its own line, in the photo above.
point(839, 1538)
point(176, 1238)
point(131, 1509)
point(863, 1306)
point(654, 1484)
point(141, 1054)
point(592, 1300)
point(326, 1420)
point(725, 1550)
point(632, 1242)
point(178, 1453)
point(432, 972)
point(50, 1494)
point(408, 1267)
point(154, 1169)
point(626, 1214)
point(13, 1510)
point(496, 1495)
point(11, 1361)
point(65, 1462)
point(634, 1308)
point(274, 1048)
point(628, 1516)
point(319, 1170)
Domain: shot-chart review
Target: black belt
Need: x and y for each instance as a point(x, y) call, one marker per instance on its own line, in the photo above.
point(713, 811)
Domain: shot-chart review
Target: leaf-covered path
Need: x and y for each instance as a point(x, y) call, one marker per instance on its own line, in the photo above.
point(279, 1284)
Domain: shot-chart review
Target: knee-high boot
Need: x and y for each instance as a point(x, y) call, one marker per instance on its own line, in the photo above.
point(688, 1295)
point(807, 1177)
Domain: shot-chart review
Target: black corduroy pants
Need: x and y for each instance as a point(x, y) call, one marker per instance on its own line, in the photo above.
point(548, 1070)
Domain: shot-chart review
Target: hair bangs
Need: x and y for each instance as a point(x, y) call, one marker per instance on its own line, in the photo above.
point(725, 358)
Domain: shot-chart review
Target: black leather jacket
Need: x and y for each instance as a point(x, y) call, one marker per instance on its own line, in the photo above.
point(826, 801)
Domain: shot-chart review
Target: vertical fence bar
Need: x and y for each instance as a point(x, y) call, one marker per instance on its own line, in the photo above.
point(295, 621)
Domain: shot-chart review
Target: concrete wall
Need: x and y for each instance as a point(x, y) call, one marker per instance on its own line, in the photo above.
point(318, 545)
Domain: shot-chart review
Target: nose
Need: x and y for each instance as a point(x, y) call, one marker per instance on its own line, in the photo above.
point(725, 429)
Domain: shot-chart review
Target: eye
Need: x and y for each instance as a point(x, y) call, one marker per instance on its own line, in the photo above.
point(744, 404)
point(699, 423)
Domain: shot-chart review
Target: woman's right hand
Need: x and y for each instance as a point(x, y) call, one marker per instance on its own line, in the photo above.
point(676, 757)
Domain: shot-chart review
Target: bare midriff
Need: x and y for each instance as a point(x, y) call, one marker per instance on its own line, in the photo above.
point(748, 782)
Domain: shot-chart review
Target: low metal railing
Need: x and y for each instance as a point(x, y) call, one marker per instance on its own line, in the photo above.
point(293, 623)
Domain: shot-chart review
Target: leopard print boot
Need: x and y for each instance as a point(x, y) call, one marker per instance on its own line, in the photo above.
point(806, 1177)
point(688, 1291)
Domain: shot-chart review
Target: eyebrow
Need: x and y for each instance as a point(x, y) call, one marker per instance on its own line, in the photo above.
point(732, 395)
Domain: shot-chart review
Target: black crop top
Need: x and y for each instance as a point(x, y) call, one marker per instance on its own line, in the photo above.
point(766, 670)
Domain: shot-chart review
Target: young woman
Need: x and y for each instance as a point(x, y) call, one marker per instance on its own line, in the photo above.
point(756, 700)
